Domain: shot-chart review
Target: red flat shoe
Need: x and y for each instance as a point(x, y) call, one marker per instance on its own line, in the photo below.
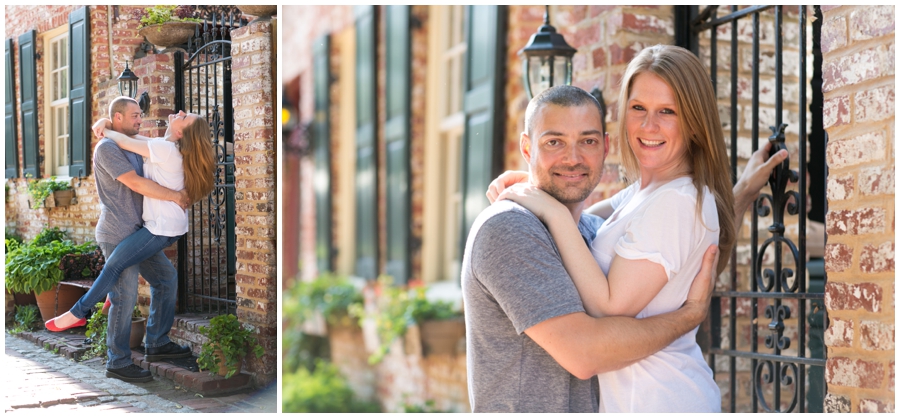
point(51, 325)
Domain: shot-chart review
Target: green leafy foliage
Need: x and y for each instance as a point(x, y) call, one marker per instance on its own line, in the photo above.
point(161, 14)
point(26, 316)
point(225, 333)
point(41, 189)
point(320, 390)
point(330, 295)
point(49, 235)
point(35, 268)
point(96, 331)
point(398, 308)
point(428, 408)
point(302, 350)
point(12, 238)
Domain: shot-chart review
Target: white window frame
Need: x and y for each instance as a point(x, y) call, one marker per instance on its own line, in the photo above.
point(444, 127)
point(56, 102)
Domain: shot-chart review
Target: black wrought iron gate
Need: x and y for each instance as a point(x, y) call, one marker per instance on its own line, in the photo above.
point(785, 374)
point(206, 254)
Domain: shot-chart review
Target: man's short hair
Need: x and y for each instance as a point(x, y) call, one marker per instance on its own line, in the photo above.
point(565, 96)
point(119, 104)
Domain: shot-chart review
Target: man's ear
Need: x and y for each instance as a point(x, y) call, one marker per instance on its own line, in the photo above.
point(525, 147)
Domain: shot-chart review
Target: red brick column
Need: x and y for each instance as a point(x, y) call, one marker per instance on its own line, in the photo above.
point(858, 72)
point(253, 65)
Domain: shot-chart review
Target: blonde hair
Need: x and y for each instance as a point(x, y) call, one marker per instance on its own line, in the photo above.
point(698, 117)
point(198, 159)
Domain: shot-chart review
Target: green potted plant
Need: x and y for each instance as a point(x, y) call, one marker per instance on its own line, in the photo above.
point(138, 327)
point(50, 193)
point(439, 322)
point(167, 26)
point(96, 333)
point(34, 267)
point(228, 342)
point(329, 295)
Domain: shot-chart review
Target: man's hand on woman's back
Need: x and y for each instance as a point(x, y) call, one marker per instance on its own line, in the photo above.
point(700, 293)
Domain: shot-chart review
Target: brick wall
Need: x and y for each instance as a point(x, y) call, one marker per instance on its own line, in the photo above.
point(79, 219)
point(253, 56)
point(858, 73)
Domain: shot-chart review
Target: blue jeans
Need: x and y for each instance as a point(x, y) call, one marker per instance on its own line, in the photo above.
point(158, 271)
point(134, 249)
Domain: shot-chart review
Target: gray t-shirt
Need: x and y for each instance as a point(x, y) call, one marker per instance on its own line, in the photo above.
point(512, 279)
point(120, 207)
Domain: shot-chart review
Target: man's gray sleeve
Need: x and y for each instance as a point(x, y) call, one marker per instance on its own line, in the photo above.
point(515, 261)
point(112, 160)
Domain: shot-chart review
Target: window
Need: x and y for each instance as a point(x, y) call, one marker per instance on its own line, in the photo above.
point(441, 238)
point(56, 102)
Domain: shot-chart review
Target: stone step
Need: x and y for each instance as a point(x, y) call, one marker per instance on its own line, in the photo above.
point(185, 330)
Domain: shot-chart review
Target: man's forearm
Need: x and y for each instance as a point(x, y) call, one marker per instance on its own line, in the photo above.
point(586, 346)
point(152, 189)
point(635, 339)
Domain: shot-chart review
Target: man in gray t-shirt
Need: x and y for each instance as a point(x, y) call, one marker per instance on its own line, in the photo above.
point(530, 345)
point(121, 188)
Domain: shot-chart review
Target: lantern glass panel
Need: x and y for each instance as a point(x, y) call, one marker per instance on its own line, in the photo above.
point(538, 74)
point(562, 71)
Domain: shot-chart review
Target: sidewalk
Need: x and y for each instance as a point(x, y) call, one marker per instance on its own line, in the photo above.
point(38, 379)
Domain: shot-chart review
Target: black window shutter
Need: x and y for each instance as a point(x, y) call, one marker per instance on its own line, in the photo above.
point(9, 120)
point(366, 150)
point(28, 93)
point(80, 91)
point(322, 153)
point(396, 134)
point(482, 104)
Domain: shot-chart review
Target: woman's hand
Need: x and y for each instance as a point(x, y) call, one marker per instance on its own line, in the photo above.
point(754, 177)
point(535, 200)
point(508, 178)
point(99, 126)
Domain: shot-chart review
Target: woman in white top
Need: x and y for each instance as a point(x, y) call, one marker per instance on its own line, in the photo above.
point(182, 159)
point(651, 245)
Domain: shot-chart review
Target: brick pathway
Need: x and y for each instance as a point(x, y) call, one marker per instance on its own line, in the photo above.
point(38, 379)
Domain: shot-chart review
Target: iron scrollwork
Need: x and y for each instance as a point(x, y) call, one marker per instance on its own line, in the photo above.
point(778, 278)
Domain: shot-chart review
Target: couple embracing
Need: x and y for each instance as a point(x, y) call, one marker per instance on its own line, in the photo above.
point(144, 185)
point(575, 309)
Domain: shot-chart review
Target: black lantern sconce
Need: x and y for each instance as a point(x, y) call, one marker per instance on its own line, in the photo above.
point(546, 60)
point(128, 85)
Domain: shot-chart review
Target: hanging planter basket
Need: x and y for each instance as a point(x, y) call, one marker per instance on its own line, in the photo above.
point(60, 198)
point(169, 34)
point(261, 12)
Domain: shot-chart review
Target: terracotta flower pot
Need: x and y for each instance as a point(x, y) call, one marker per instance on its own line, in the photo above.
point(442, 336)
point(138, 328)
point(58, 300)
point(223, 369)
point(169, 34)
